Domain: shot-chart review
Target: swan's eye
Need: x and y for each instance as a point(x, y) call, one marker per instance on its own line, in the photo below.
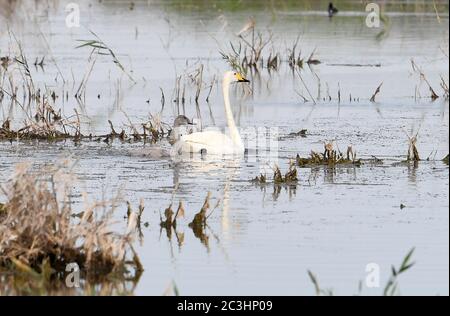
point(235, 74)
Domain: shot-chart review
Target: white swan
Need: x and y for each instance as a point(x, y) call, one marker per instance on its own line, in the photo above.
point(215, 142)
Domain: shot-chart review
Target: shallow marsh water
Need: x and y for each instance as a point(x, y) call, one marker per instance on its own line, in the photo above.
point(262, 240)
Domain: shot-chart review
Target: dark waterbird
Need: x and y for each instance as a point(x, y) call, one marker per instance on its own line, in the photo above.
point(182, 120)
point(332, 10)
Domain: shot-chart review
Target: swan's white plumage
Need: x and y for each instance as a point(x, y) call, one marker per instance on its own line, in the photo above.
point(215, 142)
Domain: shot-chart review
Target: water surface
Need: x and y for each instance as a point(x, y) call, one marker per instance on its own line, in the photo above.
point(262, 240)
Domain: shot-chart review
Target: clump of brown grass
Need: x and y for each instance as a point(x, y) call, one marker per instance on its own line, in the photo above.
point(39, 228)
point(171, 217)
point(46, 124)
point(413, 153)
point(330, 157)
point(291, 176)
point(199, 222)
point(261, 179)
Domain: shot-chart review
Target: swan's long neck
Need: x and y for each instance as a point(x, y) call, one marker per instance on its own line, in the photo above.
point(234, 133)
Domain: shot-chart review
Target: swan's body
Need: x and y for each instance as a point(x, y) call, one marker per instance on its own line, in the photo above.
point(213, 141)
point(210, 142)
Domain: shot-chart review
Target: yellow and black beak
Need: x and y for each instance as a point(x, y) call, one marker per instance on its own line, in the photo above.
point(241, 78)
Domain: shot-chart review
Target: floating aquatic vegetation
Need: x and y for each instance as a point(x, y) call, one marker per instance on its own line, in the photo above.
point(39, 235)
point(47, 124)
point(291, 176)
point(261, 179)
point(330, 157)
point(198, 224)
point(199, 221)
point(169, 224)
point(277, 176)
point(171, 217)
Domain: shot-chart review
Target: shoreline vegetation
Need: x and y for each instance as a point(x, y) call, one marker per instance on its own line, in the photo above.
point(236, 6)
point(285, 5)
point(40, 234)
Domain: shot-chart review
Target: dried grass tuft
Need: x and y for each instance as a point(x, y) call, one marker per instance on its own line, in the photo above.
point(38, 227)
point(330, 157)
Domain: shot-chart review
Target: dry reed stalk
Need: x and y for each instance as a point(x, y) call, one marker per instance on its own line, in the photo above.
point(422, 77)
point(38, 226)
point(378, 90)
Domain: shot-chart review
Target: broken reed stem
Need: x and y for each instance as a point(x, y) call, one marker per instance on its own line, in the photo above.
point(377, 91)
point(211, 88)
point(433, 94)
point(199, 83)
point(306, 87)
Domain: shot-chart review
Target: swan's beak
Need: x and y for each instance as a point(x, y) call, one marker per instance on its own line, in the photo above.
point(240, 78)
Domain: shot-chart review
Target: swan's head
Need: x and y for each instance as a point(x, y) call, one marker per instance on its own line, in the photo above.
point(234, 76)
